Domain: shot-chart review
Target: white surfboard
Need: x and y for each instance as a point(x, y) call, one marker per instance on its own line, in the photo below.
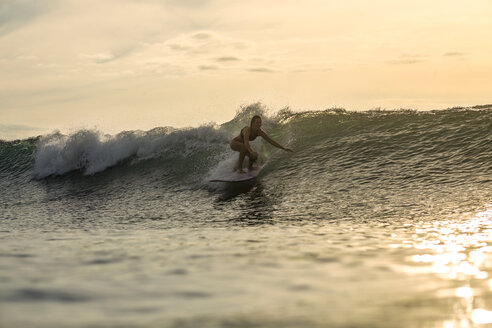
point(239, 177)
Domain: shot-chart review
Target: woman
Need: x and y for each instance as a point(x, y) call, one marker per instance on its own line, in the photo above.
point(241, 143)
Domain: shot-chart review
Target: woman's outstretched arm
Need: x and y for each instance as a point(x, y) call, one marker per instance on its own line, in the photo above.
point(273, 142)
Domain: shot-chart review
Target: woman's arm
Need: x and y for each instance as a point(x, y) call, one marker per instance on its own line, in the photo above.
point(273, 142)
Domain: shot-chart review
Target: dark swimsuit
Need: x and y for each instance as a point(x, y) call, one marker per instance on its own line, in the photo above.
point(251, 137)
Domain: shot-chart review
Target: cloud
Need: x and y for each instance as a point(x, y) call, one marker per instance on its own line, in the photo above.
point(198, 50)
point(16, 13)
point(208, 67)
point(99, 57)
point(201, 51)
point(178, 47)
point(454, 54)
point(202, 35)
point(408, 59)
point(405, 55)
point(108, 56)
point(261, 70)
point(205, 42)
point(227, 59)
point(404, 61)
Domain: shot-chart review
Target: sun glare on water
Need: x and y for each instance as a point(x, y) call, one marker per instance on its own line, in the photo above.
point(459, 251)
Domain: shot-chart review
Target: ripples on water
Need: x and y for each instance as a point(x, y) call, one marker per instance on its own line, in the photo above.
point(253, 271)
point(375, 221)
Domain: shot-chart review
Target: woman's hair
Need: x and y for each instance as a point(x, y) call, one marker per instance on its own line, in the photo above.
point(254, 118)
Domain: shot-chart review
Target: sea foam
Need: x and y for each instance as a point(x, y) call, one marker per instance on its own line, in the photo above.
point(92, 151)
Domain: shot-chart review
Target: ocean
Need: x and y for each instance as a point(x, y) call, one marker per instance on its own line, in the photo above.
point(377, 219)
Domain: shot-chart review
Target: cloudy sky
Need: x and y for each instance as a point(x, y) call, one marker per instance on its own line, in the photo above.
point(138, 64)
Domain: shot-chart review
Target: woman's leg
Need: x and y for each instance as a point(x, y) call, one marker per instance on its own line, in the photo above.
point(241, 148)
point(251, 161)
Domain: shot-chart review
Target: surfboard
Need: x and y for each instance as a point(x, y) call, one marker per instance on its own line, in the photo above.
point(238, 177)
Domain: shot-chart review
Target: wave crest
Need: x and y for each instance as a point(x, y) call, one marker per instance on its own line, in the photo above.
point(92, 151)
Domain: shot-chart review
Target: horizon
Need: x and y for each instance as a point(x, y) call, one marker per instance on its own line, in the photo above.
point(22, 132)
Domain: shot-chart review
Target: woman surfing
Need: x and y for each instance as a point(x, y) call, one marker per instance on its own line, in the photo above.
point(241, 143)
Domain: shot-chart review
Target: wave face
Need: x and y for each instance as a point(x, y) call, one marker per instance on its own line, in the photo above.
point(401, 147)
point(409, 145)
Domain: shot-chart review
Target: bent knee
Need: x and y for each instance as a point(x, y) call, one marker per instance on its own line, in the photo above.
point(244, 150)
point(236, 146)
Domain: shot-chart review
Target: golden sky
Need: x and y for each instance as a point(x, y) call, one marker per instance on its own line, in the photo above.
point(138, 64)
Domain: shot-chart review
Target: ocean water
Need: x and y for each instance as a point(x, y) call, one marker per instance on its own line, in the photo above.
point(378, 219)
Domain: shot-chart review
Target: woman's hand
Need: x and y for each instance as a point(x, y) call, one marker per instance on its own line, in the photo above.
point(288, 150)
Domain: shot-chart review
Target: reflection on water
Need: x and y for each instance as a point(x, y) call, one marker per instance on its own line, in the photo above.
point(252, 204)
point(458, 251)
point(481, 316)
point(230, 191)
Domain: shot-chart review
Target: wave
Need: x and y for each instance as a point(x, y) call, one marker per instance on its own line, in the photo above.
point(446, 146)
point(424, 143)
point(92, 151)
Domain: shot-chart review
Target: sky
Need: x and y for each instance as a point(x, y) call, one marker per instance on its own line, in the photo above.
point(138, 64)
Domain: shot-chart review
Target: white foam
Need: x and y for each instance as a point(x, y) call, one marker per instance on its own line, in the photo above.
point(228, 164)
point(93, 151)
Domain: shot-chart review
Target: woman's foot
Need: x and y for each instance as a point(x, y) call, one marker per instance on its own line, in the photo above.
point(241, 171)
point(253, 168)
